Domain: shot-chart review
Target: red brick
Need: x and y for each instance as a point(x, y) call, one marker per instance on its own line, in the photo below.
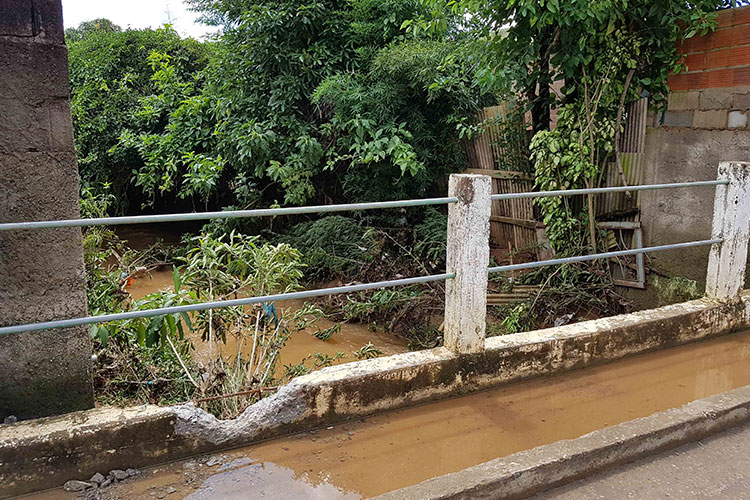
point(677, 82)
point(739, 56)
point(695, 62)
point(719, 78)
point(725, 18)
point(697, 44)
point(690, 81)
point(735, 56)
point(741, 16)
point(731, 37)
point(717, 59)
point(741, 76)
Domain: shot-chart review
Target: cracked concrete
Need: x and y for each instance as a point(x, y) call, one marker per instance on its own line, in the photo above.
point(80, 444)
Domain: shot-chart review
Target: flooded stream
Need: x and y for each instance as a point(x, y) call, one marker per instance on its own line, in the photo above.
point(301, 344)
point(379, 454)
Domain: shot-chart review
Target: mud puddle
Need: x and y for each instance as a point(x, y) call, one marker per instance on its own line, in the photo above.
point(350, 338)
point(383, 453)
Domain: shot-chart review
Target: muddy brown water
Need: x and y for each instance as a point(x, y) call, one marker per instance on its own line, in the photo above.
point(301, 344)
point(379, 454)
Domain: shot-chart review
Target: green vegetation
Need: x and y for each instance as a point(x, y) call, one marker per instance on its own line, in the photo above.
point(334, 101)
point(111, 74)
point(675, 289)
point(604, 54)
point(297, 101)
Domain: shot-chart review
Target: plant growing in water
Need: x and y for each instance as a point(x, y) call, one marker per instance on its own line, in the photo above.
point(367, 351)
point(227, 267)
point(327, 333)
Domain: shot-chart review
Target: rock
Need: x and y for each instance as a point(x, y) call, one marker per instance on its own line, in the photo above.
point(106, 483)
point(118, 474)
point(214, 461)
point(74, 485)
point(133, 472)
point(10, 419)
point(97, 478)
point(171, 490)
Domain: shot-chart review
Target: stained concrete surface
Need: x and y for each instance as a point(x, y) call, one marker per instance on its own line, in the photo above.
point(41, 272)
point(385, 452)
point(717, 467)
point(104, 439)
point(675, 215)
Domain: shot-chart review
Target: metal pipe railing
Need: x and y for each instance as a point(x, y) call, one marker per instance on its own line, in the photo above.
point(594, 256)
point(270, 212)
point(225, 214)
point(104, 318)
point(67, 323)
point(613, 189)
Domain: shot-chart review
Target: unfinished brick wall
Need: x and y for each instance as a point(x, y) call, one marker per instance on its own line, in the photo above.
point(714, 92)
point(706, 123)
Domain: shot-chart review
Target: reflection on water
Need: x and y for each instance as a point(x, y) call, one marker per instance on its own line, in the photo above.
point(406, 447)
point(301, 344)
point(267, 481)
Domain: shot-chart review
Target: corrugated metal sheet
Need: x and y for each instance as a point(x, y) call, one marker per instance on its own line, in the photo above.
point(618, 206)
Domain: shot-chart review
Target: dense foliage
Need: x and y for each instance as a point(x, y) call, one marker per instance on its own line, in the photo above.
point(110, 74)
point(297, 101)
point(588, 60)
point(326, 101)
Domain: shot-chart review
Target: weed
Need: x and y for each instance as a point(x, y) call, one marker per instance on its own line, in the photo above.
point(367, 351)
point(327, 333)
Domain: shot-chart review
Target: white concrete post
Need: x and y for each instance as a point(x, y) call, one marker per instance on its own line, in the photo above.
point(468, 256)
point(727, 260)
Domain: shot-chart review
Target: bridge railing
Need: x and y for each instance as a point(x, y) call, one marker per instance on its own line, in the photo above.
point(469, 199)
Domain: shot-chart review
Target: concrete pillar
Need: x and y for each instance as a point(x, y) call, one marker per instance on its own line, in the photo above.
point(468, 256)
point(727, 260)
point(41, 272)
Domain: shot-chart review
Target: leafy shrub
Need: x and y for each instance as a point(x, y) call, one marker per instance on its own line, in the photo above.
point(675, 289)
point(432, 235)
point(110, 72)
point(332, 247)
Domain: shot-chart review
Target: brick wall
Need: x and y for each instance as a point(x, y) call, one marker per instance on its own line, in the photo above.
point(720, 59)
point(714, 92)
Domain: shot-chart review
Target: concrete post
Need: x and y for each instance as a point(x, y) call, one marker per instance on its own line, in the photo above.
point(41, 272)
point(468, 256)
point(727, 260)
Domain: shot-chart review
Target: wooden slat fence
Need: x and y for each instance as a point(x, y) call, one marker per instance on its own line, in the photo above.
point(512, 220)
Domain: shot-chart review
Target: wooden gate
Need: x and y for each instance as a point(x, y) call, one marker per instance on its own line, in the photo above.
point(514, 223)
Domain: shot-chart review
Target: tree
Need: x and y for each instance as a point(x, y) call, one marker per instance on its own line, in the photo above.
point(86, 28)
point(604, 54)
point(110, 72)
point(303, 102)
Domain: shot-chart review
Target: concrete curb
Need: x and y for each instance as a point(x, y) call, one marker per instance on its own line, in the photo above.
point(44, 453)
point(529, 472)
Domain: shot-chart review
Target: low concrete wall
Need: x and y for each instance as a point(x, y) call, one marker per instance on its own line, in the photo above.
point(79, 444)
point(545, 467)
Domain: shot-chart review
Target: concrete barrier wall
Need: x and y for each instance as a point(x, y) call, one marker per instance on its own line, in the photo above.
point(669, 216)
point(41, 272)
point(47, 452)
